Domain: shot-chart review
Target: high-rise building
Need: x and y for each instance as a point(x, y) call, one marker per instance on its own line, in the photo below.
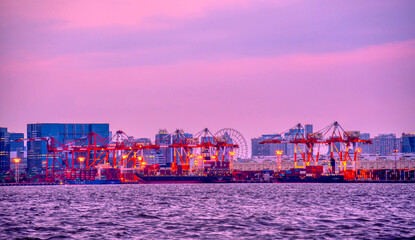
point(337, 147)
point(150, 156)
point(14, 146)
point(291, 135)
point(179, 137)
point(385, 144)
point(163, 138)
point(365, 147)
point(144, 141)
point(62, 132)
point(408, 142)
point(266, 149)
point(258, 149)
point(17, 150)
point(4, 150)
point(308, 128)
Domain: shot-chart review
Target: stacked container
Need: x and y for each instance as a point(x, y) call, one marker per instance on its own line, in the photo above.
point(314, 171)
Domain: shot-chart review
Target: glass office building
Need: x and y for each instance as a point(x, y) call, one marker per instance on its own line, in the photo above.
point(4, 150)
point(62, 132)
point(408, 142)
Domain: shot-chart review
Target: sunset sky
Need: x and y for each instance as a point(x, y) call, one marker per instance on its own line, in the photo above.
point(256, 66)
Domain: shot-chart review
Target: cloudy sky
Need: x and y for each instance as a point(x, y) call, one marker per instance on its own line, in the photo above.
point(256, 66)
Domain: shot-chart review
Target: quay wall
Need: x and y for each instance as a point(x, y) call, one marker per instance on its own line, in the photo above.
point(366, 165)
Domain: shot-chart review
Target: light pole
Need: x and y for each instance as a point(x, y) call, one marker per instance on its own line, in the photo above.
point(279, 153)
point(396, 170)
point(81, 161)
point(231, 156)
point(123, 157)
point(356, 162)
point(17, 161)
point(357, 152)
point(140, 160)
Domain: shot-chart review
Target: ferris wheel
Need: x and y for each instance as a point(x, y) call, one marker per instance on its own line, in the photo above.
point(232, 136)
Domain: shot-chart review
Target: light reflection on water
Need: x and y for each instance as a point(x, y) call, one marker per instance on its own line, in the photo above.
point(209, 211)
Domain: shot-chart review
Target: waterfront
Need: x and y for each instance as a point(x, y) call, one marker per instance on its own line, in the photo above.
point(209, 211)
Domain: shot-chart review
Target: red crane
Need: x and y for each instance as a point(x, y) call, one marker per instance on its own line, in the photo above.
point(329, 135)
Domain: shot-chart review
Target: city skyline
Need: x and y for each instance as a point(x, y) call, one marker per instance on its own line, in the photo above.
point(67, 133)
point(207, 119)
point(152, 135)
point(192, 65)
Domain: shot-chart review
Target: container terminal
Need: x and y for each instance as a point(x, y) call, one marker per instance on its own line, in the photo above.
point(214, 158)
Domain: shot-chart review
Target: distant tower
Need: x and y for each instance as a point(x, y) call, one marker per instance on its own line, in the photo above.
point(408, 142)
point(385, 144)
point(4, 150)
point(365, 147)
point(163, 138)
point(309, 128)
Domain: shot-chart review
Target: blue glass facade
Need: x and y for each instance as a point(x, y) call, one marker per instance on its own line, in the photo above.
point(385, 144)
point(4, 150)
point(308, 128)
point(15, 146)
point(163, 138)
point(408, 143)
point(63, 132)
point(267, 149)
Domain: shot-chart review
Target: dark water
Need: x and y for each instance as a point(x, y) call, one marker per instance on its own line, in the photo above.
point(209, 211)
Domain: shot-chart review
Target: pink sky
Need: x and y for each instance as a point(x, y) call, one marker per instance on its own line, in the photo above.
point(256, 66)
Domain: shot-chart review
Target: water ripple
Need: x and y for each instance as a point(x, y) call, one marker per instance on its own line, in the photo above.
point(209, 211)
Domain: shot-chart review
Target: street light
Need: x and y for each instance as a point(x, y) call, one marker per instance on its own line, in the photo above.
point(81, 160)
point(396, 170)
point(17, 161)
point(357, 158)
point(279, 153)
point(231, 156)
point(124, 157)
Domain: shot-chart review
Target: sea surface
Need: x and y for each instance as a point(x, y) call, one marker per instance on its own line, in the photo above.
point(209, 211)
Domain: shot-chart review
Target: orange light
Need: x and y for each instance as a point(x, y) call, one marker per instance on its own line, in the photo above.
point(143, 163)
point(213, 156)
point(359, 150)
point(16, 160)
point(191, 155)
point(124, 156)
point(140, 158)
point(278, 152)
point(199, 157)
point(232, 153)
point(81, 159)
